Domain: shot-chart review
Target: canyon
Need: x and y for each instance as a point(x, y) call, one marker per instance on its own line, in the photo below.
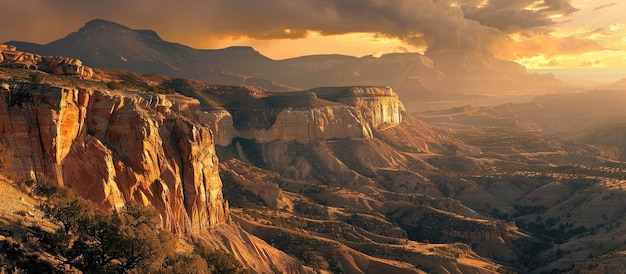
point(112, 146)
point(331, 179)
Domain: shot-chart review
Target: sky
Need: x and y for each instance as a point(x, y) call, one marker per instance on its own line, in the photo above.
point(536, 33)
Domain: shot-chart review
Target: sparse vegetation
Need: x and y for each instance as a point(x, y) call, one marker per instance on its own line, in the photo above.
point(177, 84)
point(220, 261)
point(161, 89)
point(36, 77)
point(92, 241)
point(114, 85)
point(311, 210)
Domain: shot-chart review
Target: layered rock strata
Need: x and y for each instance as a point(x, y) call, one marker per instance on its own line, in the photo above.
point(379, 106)
point(11, 57)
point(323, 114)
point(115, 147)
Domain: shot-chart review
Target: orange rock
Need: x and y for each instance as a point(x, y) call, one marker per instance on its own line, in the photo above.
point(115, 148)
point(10, 57)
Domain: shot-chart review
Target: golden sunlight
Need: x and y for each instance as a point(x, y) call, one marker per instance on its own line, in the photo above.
point(353, 44)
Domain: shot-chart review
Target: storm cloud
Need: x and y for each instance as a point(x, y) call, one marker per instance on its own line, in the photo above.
point(442, 26)
point(438, 25)
point(511, 16)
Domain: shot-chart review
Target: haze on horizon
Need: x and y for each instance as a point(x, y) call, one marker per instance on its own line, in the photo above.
point(537, 34)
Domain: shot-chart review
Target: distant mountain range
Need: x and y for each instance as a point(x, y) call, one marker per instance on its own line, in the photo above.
point(414, 76)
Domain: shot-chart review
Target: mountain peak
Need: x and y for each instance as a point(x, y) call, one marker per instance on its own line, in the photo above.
point(241, 49)
point(102, 24)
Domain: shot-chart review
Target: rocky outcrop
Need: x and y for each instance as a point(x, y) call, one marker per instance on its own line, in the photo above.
point(308, 125)
point(243, 179)
point(315, 115)
point(11, 57)
point(116, 147)
point(221, 123)
point(379, 106)
point(302, 125)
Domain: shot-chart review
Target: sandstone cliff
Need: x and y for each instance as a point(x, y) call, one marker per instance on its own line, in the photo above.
point(114, 147)
point(315, 115)
point(307, 125)
point(379, 106)
point(11, 57)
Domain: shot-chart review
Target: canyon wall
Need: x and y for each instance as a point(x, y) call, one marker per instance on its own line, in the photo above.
point(319, 114)
point(379, 106)
point(311, 124)
point(115, 147)
point(302, 125)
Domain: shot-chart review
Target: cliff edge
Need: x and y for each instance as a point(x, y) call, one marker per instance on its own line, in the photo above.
point(308, 116)
point(13, 58)
point(112, 147)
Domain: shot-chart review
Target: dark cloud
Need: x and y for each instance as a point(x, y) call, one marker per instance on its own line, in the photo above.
point(604, 6)
point(443, 25)
point(439, 25)
point(512, 16)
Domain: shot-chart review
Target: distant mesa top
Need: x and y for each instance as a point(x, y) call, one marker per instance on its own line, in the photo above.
point(12, 58)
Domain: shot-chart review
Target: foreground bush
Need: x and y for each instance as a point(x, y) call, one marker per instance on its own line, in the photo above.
point(128, 241)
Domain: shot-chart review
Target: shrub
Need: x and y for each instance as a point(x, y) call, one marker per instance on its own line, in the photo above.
point(114, 85)
point(192, 264)
point(96, 242)
point(161, 90)
point(177, 84)
point(36, 77)
point(220, 261)
point(45, 188)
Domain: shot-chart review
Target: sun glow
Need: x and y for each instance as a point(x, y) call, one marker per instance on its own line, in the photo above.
point(354, 44)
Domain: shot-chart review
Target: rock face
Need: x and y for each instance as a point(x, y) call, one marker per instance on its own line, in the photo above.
point(307, 125)
point(11, 57)
point(319, 114)
point(116, 147)
point(379, 106)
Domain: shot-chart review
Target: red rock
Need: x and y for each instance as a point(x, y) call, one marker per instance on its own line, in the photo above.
point(116, 147)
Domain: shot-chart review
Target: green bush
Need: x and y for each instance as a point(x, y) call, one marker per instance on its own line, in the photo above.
point(192, 264)
point(114, 85)
point(220, 261)
point(36, 77)
point(45, 188)
point(177, 84)
point(96, 242)
point(161, 90)
point(128, 241)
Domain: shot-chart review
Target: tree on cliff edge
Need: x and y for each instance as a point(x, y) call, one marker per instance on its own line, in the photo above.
point(128, 241)
point(96, 242)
